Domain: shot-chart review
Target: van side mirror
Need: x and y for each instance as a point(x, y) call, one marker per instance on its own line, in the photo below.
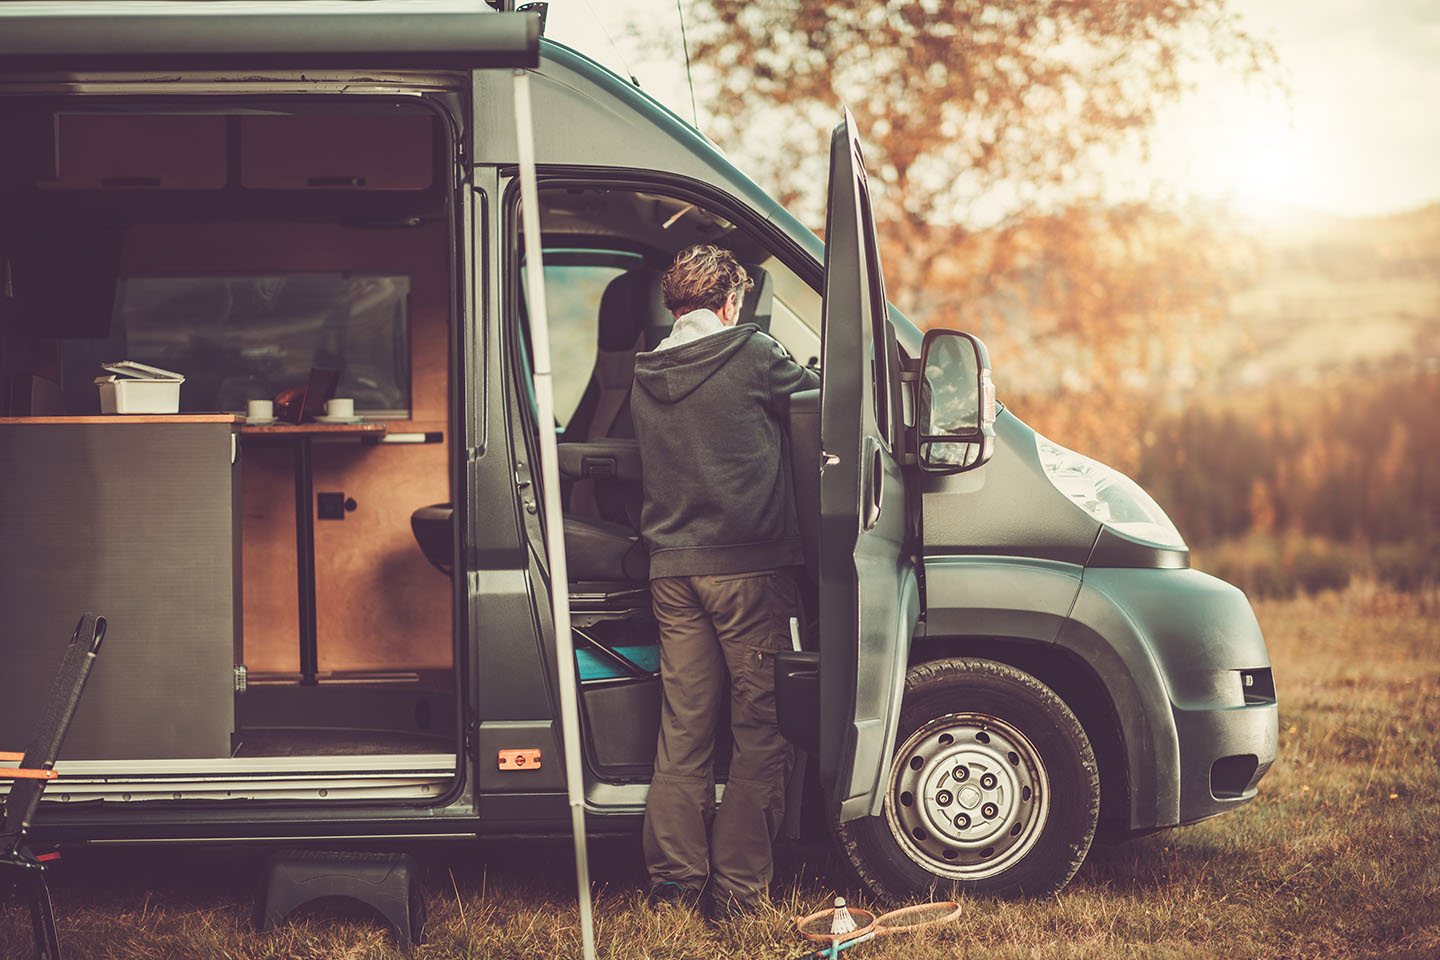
point(956, 419)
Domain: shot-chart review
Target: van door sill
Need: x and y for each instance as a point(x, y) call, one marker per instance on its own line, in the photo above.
point(374, 777)
point(602, 797)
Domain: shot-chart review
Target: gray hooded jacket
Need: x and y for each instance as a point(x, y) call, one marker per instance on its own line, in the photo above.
point(710, 420)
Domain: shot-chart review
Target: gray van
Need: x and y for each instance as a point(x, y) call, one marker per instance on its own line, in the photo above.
point(337, 627)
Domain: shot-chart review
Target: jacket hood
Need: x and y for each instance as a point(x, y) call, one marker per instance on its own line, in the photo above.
point(671, 375)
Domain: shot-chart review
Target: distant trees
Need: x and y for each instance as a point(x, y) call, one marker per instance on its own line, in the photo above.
point(985, 125)
point(1355, 460)
point(1304, 488)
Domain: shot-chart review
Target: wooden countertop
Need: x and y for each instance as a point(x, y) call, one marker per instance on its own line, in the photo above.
point(280, 431)
point(366, 430)
point(117, 418)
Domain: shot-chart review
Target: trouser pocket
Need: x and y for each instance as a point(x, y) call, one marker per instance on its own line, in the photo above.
point(751, 615)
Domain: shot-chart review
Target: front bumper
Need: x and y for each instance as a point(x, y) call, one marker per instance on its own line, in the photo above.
point(1184, 659)
point(1223, 754)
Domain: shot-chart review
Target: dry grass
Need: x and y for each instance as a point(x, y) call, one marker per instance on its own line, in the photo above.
point(1339, 857)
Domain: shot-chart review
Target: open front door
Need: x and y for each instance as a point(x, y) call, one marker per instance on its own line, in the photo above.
point(868, 596)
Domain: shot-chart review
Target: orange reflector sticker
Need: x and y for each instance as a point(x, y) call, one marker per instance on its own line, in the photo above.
point(528, 759)
point(27, 773)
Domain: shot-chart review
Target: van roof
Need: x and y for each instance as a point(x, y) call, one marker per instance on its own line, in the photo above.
point(612, 122)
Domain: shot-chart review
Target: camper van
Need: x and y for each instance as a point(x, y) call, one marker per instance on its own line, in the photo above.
point(337, 626)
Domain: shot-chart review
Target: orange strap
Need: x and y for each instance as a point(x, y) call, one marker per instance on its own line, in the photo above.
point(13, 757)
point(24, 773)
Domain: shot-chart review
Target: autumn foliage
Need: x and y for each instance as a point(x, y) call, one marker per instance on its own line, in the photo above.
point(986, 127)
point(990, 130)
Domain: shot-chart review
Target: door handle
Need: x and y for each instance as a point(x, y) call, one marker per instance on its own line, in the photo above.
point(874, 488)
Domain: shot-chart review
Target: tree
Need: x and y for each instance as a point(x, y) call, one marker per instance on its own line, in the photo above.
point(986, 127)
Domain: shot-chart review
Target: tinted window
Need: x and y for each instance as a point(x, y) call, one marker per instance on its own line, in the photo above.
point(574, 283)
point(247, 338)
point(572, 299)
point(879, 317)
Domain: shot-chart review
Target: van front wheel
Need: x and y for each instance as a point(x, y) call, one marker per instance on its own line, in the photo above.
point(993, 789)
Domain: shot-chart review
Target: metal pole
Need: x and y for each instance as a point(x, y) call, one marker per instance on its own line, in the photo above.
point(550, 480)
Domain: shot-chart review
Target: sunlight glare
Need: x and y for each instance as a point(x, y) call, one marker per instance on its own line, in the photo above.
point(1253, 158)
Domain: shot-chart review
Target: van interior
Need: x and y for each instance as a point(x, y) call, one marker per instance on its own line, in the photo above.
point(246, 246)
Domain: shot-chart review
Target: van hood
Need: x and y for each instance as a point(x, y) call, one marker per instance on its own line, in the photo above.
point(672, 375)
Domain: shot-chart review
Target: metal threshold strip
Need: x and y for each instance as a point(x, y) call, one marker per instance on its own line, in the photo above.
point(373, 777)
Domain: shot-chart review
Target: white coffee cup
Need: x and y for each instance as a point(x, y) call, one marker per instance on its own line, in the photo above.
point(340, 407)
point(260, 410)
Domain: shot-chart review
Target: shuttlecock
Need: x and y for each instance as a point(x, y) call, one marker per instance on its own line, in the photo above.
point(841, 923)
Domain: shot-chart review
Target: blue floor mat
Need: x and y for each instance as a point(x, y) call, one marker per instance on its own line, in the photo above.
point(597, 666)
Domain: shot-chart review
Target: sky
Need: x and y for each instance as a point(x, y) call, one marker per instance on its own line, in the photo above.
point(1357, 135)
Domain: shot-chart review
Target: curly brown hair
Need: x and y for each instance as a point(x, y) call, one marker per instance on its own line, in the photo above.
point(703, 277)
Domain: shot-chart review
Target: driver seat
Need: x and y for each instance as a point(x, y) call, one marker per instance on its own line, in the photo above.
point(602, 516)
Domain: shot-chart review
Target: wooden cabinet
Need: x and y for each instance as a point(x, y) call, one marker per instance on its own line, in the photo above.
point(309, 152)
point(139, 152)
point(345, 152)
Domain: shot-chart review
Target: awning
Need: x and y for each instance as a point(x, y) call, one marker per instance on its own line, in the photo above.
point(65, 37)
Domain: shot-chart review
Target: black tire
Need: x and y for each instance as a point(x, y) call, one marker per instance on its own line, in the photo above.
point(1006, 806)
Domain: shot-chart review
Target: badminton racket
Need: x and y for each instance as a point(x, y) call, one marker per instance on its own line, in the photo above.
point(905, 920)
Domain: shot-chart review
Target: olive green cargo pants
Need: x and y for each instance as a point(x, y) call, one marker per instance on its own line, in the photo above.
point(719, 635)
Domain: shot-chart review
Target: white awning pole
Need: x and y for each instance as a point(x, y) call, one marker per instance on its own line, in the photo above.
point(550, 480)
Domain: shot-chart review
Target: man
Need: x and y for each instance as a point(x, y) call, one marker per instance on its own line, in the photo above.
point(709, 405)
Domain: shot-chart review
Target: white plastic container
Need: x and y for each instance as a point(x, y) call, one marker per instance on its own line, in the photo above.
point(139, 388)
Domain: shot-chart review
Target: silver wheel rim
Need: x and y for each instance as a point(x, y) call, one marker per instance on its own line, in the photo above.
point(968, 796)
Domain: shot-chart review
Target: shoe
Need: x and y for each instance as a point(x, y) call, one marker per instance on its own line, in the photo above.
point(669, 891)
point(723, 908)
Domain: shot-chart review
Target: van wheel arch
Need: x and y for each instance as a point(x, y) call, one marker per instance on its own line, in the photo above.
point(1075, 682)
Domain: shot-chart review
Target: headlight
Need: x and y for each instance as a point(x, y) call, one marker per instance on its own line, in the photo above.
point(1107, 495)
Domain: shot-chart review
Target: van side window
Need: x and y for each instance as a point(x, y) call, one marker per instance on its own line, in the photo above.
point(575, 281)
point(883, 336)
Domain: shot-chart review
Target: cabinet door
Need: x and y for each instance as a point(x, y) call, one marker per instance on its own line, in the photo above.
point(318, 152)
point(155, 152)
point(136, 521)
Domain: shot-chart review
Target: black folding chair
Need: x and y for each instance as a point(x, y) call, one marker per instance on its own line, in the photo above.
point(29, 780)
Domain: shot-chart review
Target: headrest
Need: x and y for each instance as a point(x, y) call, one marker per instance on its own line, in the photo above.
point(759, 301)
point(625, 309)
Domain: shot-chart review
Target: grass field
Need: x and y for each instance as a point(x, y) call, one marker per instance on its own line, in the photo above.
point(1338, 857)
